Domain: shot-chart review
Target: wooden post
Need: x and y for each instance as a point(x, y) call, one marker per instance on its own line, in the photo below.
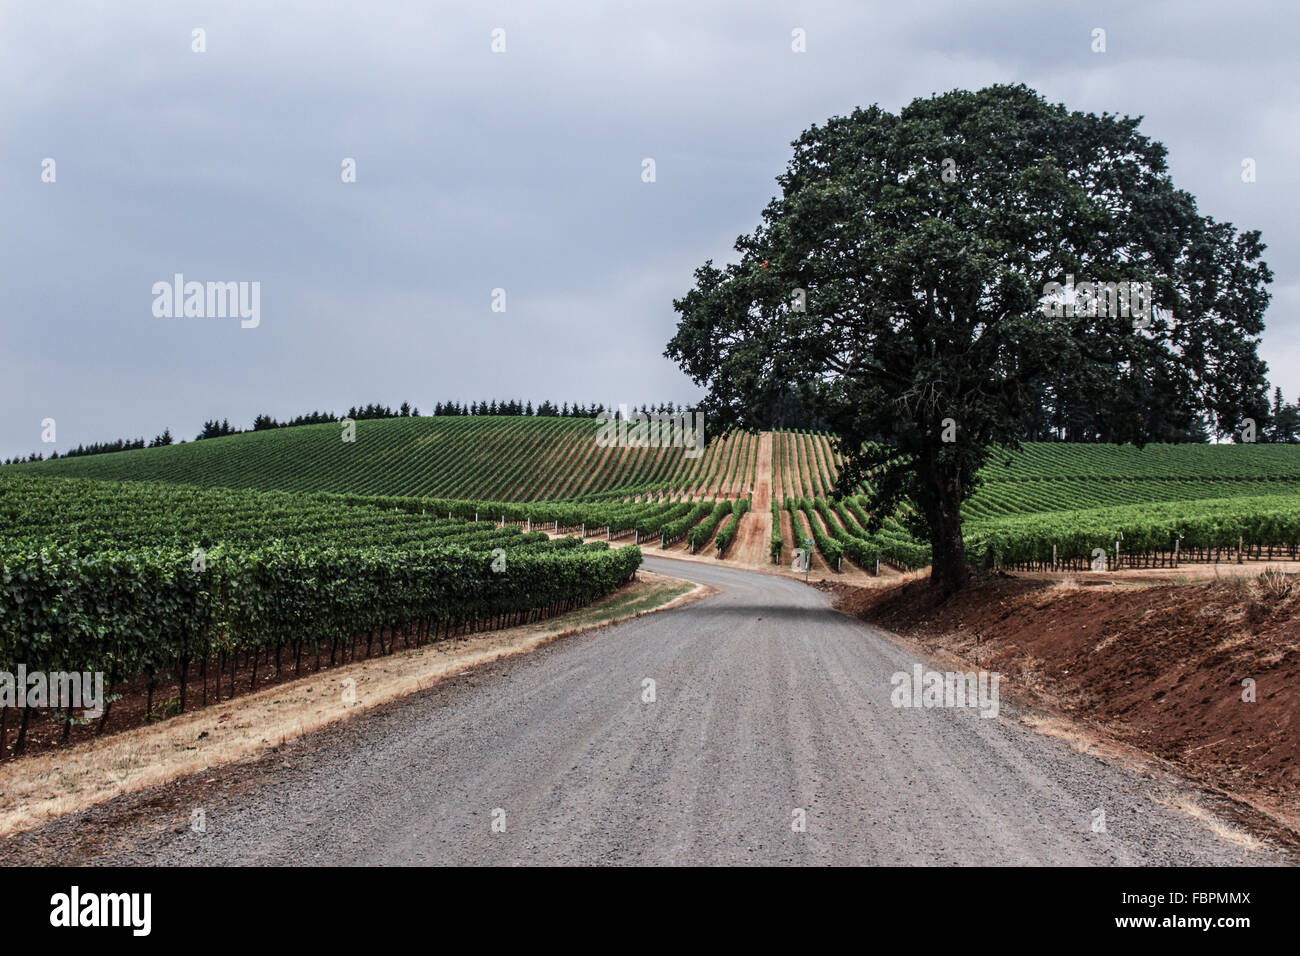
point(1053, 557)
point(1239, 539)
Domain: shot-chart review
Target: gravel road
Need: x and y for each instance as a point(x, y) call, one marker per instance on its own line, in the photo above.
point(767, 702)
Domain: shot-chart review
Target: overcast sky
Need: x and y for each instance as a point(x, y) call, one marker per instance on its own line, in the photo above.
point(519, 170)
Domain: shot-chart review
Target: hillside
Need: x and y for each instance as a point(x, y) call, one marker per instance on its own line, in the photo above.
point(549, 459)
point(489, 458)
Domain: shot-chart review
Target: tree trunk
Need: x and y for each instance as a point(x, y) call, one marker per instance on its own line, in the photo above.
point(21, 743)
point(948, 570)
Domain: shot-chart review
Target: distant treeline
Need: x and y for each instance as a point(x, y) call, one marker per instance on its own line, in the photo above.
point(98, 448)
point(1281, 426)
point(1285, 425)
point(545, 410)
point(218, 428)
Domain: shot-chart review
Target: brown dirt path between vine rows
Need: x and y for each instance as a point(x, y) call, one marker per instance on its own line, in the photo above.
point(754, 537)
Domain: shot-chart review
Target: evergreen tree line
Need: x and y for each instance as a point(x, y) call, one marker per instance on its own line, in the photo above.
point(1058, 420)
point(97, 448)
point(546, 409)
point(217, 428)
point(1285, 423)
point(1279, 424)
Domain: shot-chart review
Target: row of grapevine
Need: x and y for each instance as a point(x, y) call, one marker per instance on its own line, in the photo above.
point(89, 515)
point(897, 547)
point(527, 459)
point(728, 532)
point(150, 611)
point(802, 512)
point(483, 457)
point(778, 543)
point(1206, 526)
point(1004, 498)
point(703, 531)
point(860, 549)
point(675, 530)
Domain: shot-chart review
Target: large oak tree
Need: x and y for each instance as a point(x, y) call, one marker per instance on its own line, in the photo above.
point(895, 289)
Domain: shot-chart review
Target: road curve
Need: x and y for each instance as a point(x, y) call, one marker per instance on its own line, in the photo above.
point(767, 702)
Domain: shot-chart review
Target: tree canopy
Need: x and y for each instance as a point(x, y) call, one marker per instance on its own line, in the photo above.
point(900, 289)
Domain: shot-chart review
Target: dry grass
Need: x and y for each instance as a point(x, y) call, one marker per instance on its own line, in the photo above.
point(1217, 825)
point(1275, 584)
point(57, 782)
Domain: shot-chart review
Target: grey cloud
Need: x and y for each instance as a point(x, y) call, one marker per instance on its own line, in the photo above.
point(520, 171)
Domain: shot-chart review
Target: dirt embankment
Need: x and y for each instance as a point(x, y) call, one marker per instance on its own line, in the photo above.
point(1166, 667)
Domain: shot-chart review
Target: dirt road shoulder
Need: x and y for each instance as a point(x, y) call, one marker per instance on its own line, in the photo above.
point(42, 787)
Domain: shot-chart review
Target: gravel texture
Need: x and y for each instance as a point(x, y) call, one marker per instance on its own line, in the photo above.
point(766, 702)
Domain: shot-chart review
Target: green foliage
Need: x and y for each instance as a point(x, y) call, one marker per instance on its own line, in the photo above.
point(802, 510)
point(132, 579)
point(778, 543)
point(703, 531)
point(922, 243)
point(126, 613)
point(728, 532)
point(1263, 520)
point(467, 458)
point(677, 529)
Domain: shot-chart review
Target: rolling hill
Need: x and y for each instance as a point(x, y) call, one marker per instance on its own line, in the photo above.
point(526, 459)
point(489, 458)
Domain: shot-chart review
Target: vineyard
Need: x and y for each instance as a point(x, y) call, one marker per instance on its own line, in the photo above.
point(551, 472)
point(141, 580)
point(214, 555)
point(1060, 506)
point(485, 458)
